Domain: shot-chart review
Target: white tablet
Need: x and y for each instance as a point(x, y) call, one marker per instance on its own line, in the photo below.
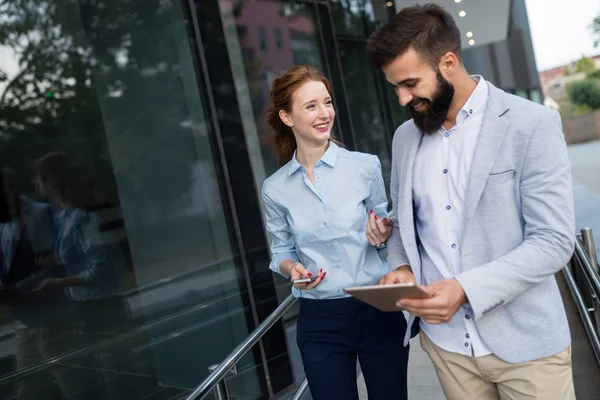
point(385, 297)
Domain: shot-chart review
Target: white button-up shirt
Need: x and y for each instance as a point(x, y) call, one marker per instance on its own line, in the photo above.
point(440, 177)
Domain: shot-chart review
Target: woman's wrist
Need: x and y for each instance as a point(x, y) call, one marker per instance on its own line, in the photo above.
point(287, 266)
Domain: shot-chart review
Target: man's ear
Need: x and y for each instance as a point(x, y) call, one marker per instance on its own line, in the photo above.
point(448, 63)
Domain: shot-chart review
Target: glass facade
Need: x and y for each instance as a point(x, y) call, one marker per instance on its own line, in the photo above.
point(132, 140)
point(133, 145)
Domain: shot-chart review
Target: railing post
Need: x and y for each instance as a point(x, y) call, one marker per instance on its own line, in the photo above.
point(220, 391)
point(587, 237)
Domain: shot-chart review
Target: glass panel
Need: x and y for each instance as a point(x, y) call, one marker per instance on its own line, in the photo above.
point(353, 17)
point(521, 93)
point(115, 257)
point(400, 113)
point(365, 105)
point(536, 96)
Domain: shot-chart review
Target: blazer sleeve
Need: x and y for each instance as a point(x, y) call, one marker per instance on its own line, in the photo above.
point(549, 224)
point(396, 253)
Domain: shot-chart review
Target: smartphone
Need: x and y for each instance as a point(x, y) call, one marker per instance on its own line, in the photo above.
point(305, 280)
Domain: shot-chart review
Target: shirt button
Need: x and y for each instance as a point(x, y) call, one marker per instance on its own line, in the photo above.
point(446, 134)
point(470, 111)
point(453, 245)
point(448, 207)
point(445, 171)
point(324, 223)
point(467, 316)
point(466, 344)
point(467, 336)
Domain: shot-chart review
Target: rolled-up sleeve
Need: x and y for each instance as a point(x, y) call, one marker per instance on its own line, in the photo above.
point(282, 243)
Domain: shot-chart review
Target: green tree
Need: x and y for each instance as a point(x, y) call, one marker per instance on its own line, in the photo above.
point(567, 71)
point(585, 64)
point(595, 74)
point(585, 92)
point(89, 67)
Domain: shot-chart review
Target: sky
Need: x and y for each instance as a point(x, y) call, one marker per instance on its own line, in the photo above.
point(560, 30)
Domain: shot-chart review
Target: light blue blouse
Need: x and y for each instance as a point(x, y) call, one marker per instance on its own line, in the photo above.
point(323, 225)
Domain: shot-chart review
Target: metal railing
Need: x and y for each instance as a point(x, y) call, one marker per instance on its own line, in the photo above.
point(215, 382)
point(583, 280)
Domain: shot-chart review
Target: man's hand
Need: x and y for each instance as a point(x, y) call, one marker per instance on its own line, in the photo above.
point(403, 274)
point(447, 296)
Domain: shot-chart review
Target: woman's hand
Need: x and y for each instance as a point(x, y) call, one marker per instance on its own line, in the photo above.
point(297, 271)
point(378, 230)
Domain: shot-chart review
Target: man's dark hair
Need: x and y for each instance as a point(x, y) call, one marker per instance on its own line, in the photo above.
point(428, 29)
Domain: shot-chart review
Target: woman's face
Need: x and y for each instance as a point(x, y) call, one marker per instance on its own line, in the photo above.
point(312, 114)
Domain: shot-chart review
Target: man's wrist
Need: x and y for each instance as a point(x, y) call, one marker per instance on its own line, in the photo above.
point(404, 267)
point(463, 294)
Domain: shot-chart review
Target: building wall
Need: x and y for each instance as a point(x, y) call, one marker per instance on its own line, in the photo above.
point(509, 64)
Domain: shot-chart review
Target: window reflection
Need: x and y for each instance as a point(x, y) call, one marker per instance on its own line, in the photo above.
point(115, 255)
point(292, 28)
point(366, 108)
point(353, 17)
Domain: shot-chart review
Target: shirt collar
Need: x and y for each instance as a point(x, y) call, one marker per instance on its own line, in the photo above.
point(475, 101)
point(329, 158)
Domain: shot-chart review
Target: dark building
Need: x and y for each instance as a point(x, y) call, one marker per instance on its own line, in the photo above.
point(139, 128)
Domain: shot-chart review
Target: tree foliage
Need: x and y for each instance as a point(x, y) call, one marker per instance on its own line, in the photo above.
point(584, 64)
point(585, 92)
point(102, 81)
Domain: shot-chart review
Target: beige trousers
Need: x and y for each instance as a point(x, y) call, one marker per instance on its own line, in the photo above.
point(490, 378)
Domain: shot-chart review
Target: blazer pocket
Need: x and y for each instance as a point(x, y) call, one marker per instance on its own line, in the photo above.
point(501, 177)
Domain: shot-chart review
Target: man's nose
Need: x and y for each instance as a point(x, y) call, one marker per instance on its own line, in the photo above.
point(404, 97)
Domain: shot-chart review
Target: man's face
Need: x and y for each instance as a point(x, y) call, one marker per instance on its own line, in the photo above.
point(421, 88)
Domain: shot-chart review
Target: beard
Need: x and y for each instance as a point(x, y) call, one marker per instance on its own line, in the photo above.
point(433, 117)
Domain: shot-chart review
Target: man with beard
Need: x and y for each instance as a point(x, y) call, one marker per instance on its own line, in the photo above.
point(483, 218)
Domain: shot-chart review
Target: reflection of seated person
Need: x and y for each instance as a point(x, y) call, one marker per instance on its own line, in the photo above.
point(93, 267)
point(26, 234)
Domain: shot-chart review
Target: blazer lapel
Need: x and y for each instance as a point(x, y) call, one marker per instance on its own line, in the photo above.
point(488, 144)
point(407, 224)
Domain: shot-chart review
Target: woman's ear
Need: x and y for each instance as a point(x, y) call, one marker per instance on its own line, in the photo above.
point(285, 117)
